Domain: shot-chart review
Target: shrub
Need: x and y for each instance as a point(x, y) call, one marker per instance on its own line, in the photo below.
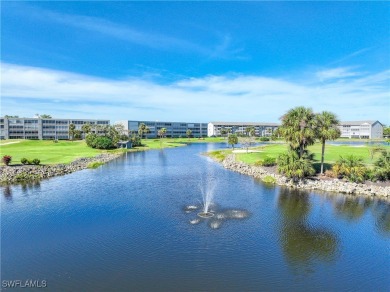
point(7, 159)
point(380, 174)
point(102, 142)
point(218, 155)
point(26, 177)
point(90, 140)
point(290, 165)
point(329, 173)
point(36, 161)
point(264, 139)
point(351, 167)
point(135, 140)
point(95, 164)
point(269, 179)
point(267, 161)
point(24, 161)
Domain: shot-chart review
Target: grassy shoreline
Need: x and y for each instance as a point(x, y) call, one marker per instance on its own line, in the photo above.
point(67, 151)
point(332, 153)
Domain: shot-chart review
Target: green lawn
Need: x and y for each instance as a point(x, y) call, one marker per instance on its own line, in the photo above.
point(175, 142)
point(46, 150)
point(67, 151)
point(332, 153)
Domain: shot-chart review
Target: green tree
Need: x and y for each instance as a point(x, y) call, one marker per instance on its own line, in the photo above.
point(143, 129)
point(326, 129)
point(86, 128)
point(44, 116)
point(386, 131)
point(223, 132)
point(77, 134)
point(232, 140)
point(252, 132)
point(162, 132)
point(188, 133)
point(298, 128)
point(72, 128)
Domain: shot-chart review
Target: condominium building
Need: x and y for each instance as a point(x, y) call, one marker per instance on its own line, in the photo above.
point(361, 129)
point(174, 129)
point(42, 129)
point(261, 129)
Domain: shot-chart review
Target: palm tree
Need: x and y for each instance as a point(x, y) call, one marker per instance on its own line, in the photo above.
point(188, 133)
point(162, 132)
point(72, 129)
point(86, 128)
point(143, 129)
point(252, 132)
point(326, 129)
point(223, 132)
point(298, 128)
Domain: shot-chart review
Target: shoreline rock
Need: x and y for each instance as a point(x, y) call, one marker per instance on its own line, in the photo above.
point(333, 185)
point(27, 173)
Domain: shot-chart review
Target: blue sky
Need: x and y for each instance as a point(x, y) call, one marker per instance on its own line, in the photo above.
point(195, 61)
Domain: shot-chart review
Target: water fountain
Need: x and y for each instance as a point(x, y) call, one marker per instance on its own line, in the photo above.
point(207, 190)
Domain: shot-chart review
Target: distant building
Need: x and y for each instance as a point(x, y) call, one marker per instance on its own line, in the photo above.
point(174, 129)
point(41, 129)
point(261, 129)
point(361, 129)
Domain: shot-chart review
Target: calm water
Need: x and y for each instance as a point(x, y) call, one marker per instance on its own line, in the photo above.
point(125, 227)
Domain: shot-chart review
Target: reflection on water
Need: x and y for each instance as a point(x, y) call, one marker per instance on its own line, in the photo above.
point(354, 208)
point(117, 227)
point(381, 212)
point(350, 208)
point(303, 244)
point(7, 192)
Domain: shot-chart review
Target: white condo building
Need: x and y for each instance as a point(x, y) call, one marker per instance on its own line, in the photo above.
point(361, 129)
point(261, 129)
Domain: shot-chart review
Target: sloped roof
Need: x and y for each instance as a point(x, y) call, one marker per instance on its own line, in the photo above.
point(358, 123)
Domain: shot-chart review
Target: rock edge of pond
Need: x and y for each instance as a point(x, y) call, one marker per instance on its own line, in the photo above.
point(20, 174)
point(332, 185)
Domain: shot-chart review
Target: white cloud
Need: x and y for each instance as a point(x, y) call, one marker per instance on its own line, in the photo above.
point(30, 90)
point(337, 73)
point(221, 47)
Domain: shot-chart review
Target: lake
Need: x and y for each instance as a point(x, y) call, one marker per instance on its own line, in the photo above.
point(127, 226)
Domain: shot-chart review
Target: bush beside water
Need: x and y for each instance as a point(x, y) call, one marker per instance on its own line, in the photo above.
point(95, 164)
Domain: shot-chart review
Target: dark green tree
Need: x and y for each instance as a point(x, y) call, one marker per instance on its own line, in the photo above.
point(72, 128)
point(298, 129)
point(232, 140)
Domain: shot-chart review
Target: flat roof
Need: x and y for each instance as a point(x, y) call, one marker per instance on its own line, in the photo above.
point(244, 124)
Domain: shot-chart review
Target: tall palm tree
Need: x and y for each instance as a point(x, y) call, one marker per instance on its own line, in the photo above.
point(142, 128)
point(162, 132)
point(298, 128)
point(188, 133)
point(326, 129)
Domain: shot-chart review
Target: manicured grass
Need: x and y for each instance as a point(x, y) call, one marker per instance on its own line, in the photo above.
point(175, 142)
point(67, 151)
point(332, 153)
point(219, 155)
point(46, 150)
